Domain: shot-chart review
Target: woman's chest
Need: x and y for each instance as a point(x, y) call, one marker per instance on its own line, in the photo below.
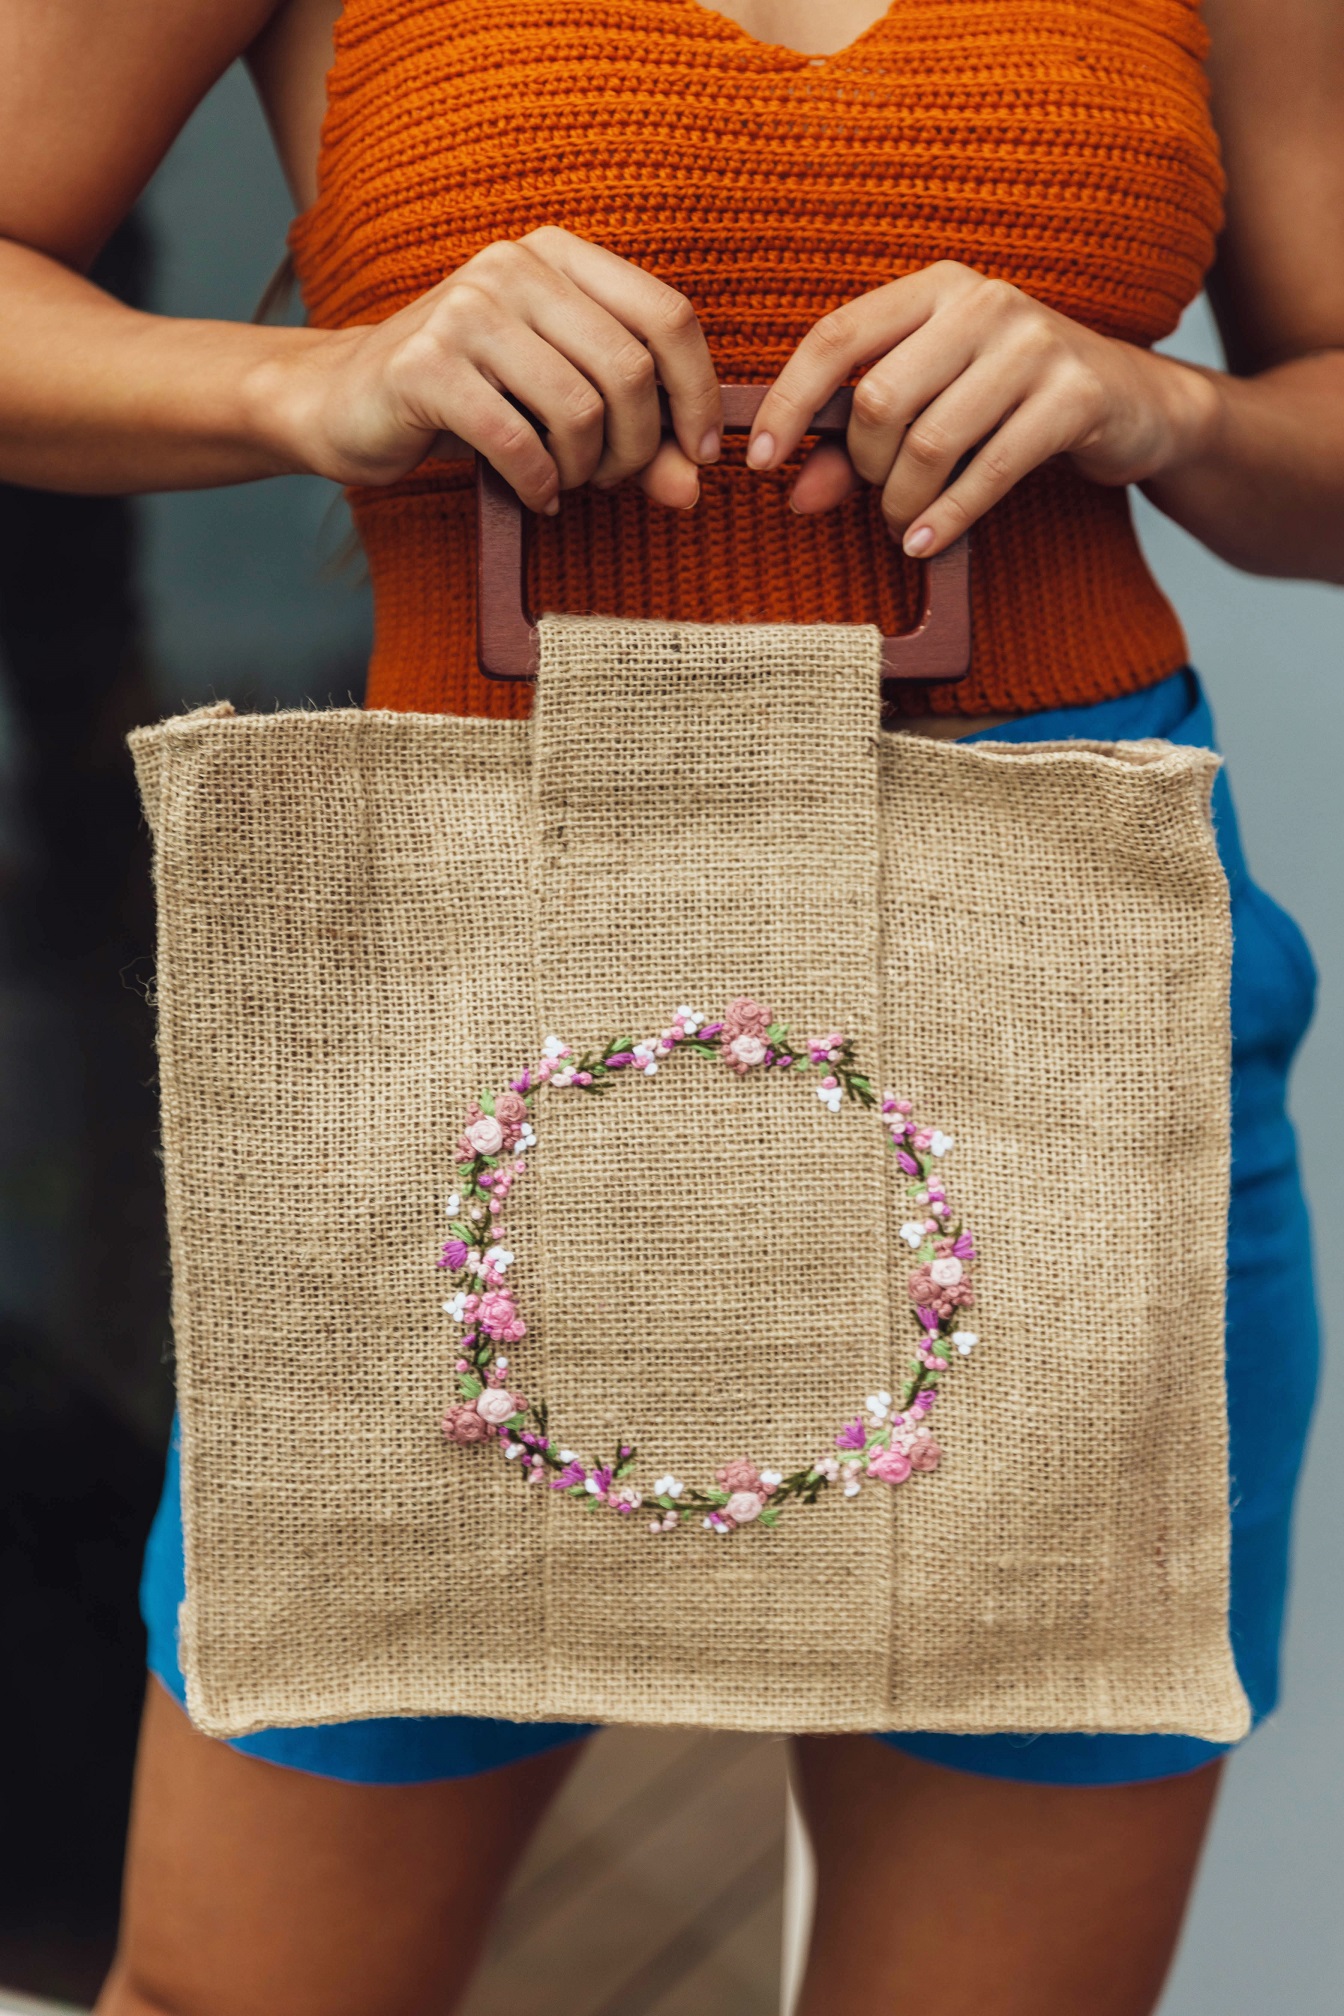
point(1062, 144)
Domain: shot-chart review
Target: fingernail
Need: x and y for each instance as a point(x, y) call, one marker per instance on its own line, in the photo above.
point(917, 541)
point(709, 447)
point(761, 451)
point(694, 501)
point(551, 508)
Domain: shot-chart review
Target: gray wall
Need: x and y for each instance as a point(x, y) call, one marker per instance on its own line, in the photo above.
point(245, 602)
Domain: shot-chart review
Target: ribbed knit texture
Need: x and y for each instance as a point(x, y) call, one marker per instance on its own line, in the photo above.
point(1064, 145)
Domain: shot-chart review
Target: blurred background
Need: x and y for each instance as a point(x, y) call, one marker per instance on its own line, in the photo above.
point(635, 1898)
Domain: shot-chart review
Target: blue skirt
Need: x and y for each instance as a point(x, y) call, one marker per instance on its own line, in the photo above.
point(1269, 1269)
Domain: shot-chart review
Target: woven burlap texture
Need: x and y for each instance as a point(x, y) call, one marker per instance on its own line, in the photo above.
point(364, 917)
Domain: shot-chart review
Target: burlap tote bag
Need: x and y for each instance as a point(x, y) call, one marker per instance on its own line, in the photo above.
point(694, 1209)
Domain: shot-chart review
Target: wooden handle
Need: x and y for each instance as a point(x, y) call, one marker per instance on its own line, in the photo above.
point(938, 648)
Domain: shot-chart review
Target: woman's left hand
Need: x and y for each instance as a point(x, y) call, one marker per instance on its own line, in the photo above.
point(963, 366)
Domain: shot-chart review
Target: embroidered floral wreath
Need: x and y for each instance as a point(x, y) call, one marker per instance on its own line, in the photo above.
point(886, 1441)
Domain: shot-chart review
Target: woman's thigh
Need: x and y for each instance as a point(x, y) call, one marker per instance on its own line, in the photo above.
point(251, 1887)
point(961, 1895)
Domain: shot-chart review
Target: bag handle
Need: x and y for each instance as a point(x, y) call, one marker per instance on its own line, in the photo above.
point(507, 646)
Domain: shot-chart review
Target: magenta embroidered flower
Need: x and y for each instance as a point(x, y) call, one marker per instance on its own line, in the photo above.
point(463, 1425)
point(889, 1466)
point(852, 1436)
point(454, 1255)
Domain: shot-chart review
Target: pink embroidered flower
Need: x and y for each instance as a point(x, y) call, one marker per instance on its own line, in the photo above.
point(889, 1466)
point(485, 1136)
point(946, 1270)
point(500, 1318)
point(926, 1292)
point(463, 1424)
point(745, 1017)
point(497, 1405)
point(740, 1475)
point(925, 1453)
point(743, 1052)
point(742, 1507)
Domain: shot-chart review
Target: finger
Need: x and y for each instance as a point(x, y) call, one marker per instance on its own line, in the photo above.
point(1027, 438)
point(664, 320)
point(567, 404)
point(898, 388)
point(826, 478)
point(853, 334)
point(954, 424)
point(614, 360)
point(671, 478)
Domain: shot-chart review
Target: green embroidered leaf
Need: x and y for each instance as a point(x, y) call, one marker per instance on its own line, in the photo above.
point(768, 1519)
point(458, 1230)
point(486, 1102)
point(777, 1032)
point(469, 1385)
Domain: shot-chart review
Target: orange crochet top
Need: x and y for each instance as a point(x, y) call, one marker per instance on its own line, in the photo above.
point(1064, 145)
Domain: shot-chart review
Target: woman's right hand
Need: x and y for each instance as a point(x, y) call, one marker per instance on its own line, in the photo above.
point(580, 336)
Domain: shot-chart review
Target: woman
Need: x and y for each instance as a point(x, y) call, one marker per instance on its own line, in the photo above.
point(980, 213)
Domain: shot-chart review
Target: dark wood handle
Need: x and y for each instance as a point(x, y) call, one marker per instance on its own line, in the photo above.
point(938, 648)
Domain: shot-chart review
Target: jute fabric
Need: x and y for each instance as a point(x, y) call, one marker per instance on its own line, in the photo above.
point(365, 917)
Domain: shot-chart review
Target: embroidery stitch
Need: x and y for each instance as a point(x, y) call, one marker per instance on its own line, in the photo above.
point(887, 1441)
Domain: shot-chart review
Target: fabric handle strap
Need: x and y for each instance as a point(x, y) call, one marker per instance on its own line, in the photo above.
point(937, 649)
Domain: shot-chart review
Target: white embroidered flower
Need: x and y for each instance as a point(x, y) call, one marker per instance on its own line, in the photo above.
point(527, 1138)
point(477, 1211)
point(830, 1097)
point(853, 1488)
point(454, 1205)
point(965, 1341)
point(590, 1484)
point(772, 1477)
point(668, 1486)
point(827, 1467)
point(561, 1079)
point(501, 1364)
point(457, 1308)
point(513, 1449)
point(689, 1020)
point(553, 1048)
point(570, 1456)
point(500, 1257)
point(912, 1233)
point(879, 1405)
point(941, 1142)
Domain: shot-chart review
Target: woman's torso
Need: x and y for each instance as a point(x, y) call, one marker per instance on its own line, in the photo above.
point(1063, 145)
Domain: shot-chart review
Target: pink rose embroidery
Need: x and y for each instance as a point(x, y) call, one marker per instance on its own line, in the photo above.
point(743, 1052)
point(497, 1406)
point(926, 1292)
point(462, 1424)
point(889, 1466)
point(925, 1453)
point(739, 1476)
point(742, 1507)
point(947, 1270)
point(486, 1136)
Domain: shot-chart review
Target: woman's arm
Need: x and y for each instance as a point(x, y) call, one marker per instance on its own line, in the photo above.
point(965, 370)
point(1263, 485)
point(95, 396)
